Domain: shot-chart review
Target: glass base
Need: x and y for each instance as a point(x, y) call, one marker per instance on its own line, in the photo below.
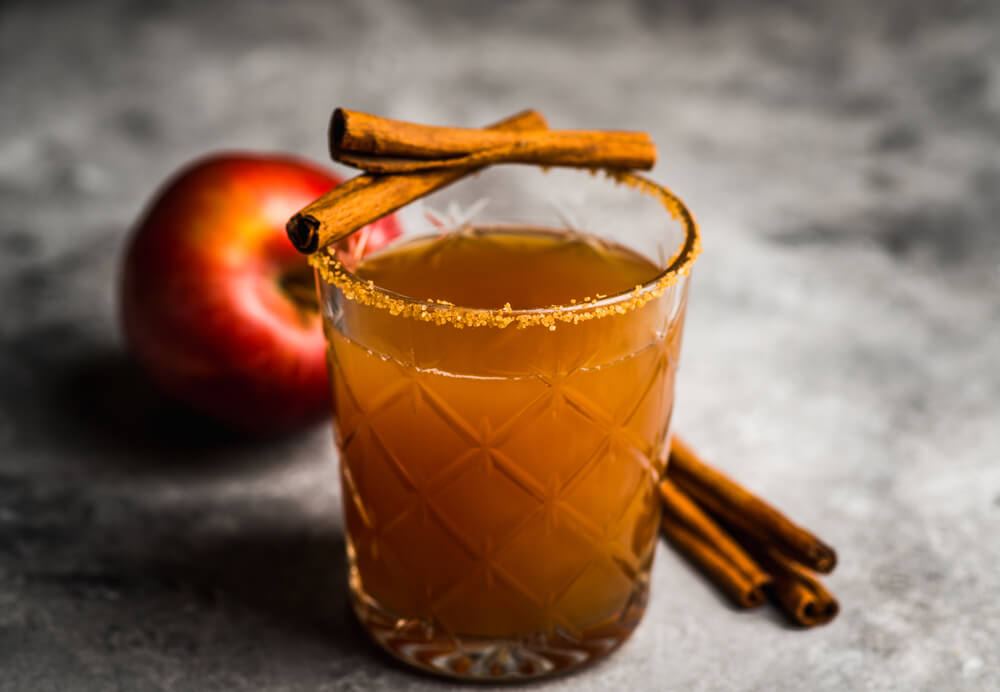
point(425, 644)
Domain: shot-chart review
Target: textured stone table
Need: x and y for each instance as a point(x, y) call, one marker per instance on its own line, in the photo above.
point(842, 354)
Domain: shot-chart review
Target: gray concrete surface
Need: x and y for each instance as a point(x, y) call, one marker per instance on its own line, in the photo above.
point(842, 354)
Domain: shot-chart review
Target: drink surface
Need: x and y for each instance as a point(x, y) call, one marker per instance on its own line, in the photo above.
point(488, 268)
point(500, 483)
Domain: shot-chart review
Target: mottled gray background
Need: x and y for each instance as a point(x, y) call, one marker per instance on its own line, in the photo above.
point(842, 353)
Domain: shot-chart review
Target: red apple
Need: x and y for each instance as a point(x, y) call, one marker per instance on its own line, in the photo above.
point(217, 305)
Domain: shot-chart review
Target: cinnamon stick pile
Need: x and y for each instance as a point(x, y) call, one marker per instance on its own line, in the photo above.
point(743, 544)
point(404, 161)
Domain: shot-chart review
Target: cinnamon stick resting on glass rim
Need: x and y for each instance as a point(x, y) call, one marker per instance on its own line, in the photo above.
point(366, 198)
point(406, 161)
point(383, 145)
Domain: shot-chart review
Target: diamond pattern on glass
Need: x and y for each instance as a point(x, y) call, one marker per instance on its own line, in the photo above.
point(552, 429)
point(430, 557)
point(443, 502)
point(511, 606)
point(374, 471)
point(599, 593)
point(557, 570)
point(402, 421)
point(490, 516)
point(607, 487)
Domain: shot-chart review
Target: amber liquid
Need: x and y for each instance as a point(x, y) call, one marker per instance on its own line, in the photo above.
point(500, 483)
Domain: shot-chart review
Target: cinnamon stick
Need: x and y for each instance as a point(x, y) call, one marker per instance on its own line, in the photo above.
point(803, 598)
point(366, 198)
point(696, 535)
point(746, 512)
point(383, 145)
